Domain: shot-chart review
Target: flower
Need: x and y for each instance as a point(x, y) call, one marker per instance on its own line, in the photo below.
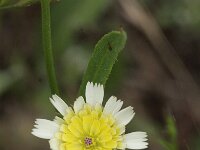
point(89, 125)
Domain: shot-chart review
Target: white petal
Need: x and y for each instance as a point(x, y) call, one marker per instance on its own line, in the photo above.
point(139, 145)
point(58, 120)
point(118, 106)
point(54, 144)
point(122, 129)
point(89, 93)
point(135, 140)
point(59, 104)
point(46, 124)
point(94, 93)
point(45, 128)
point(99, 93)
point(124, 116)
point(78, 104)
point(109, 106)
point(42, 134)
point(112, 106)
point(135, 135)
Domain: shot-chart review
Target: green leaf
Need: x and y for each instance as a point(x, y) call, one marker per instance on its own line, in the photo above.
point(171, 142)
point(166, 145)
point(171, 128)
point(15, 3)
point(103, 58)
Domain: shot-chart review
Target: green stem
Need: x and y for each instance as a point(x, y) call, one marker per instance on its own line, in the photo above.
point(47, 46)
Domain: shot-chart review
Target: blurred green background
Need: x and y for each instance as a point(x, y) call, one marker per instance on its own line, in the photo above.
point(157, 73)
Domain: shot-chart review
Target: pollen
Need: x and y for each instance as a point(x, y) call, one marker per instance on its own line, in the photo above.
point(89, 129)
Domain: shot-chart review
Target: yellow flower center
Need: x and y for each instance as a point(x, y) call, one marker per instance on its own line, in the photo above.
point(89, 129)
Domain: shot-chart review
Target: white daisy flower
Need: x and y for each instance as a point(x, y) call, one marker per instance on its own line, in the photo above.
point(89, 125)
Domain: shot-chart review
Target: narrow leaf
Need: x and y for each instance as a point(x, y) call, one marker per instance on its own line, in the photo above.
point(103, 58)
point(16, 3)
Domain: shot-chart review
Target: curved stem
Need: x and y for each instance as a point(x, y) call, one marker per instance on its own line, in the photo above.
point(47, 45)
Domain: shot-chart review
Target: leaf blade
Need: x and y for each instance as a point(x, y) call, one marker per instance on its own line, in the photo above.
point(103, 58)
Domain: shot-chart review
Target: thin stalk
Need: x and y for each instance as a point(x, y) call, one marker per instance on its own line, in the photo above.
point(47, 45)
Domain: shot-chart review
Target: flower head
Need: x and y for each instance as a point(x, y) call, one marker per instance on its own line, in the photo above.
point(89, 125)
